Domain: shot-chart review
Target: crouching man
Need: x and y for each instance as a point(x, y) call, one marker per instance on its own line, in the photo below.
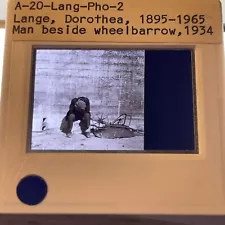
point(79, 109)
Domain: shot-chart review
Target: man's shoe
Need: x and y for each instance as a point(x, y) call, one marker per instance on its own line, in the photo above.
point(86, 134)
point(69, 135)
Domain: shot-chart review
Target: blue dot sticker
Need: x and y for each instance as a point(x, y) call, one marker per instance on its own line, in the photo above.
point(32, 190)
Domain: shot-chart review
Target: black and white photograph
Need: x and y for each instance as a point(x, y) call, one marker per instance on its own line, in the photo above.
point(88, 100)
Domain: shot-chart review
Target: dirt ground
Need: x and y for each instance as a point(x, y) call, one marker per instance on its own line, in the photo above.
point(53, 139)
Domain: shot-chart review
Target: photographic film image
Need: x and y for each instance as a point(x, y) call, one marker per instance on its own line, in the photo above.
point(87, 100)
point(113, 100)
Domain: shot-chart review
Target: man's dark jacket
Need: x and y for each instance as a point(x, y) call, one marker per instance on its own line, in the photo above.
point(78, 114)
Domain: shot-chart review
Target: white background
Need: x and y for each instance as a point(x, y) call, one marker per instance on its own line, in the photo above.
point(2, 38)
point(3, 9)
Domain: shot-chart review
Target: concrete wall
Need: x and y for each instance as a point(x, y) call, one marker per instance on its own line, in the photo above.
point(112, 80)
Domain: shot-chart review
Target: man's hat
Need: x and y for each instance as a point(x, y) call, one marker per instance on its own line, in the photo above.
point(81, 104)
